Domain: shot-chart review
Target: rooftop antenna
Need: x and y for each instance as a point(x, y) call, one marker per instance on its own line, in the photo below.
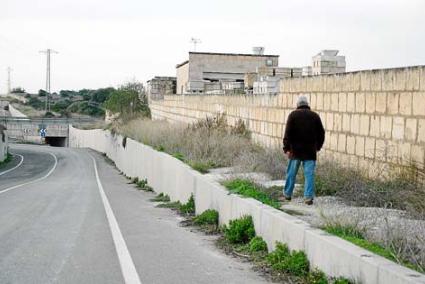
point(48, 52)
point(195, 41)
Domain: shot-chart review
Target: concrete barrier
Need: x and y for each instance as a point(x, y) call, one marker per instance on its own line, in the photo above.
point(335, 256)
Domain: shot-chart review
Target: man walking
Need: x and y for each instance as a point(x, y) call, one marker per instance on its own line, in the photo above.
point(304, 137)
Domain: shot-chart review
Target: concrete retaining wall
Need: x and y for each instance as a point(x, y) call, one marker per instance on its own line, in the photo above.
point(3, 145)
point(168, 175)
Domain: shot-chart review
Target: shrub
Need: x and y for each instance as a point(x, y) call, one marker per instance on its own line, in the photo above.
point(240, 230)
point(295, 262)
point(208, 217)
point(189, 207)
point(143, 185)
point(257, 244)
point(249, 189)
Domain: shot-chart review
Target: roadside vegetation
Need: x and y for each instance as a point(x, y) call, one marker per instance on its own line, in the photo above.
point(248, 188)
point(212, 143)
point(207, 144)
point(129, 100)
point(239, 239)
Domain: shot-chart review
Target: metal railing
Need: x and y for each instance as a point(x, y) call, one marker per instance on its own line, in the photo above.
point(42, 120)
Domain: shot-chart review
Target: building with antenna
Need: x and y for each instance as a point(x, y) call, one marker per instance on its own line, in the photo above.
point(208, 71)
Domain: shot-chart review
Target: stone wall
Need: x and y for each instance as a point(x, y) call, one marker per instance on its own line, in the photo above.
point(373, 119)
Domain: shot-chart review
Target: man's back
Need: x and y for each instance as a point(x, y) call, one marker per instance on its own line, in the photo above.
point(304, 134)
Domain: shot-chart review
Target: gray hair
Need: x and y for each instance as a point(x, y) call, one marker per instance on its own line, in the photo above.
point(302, 101)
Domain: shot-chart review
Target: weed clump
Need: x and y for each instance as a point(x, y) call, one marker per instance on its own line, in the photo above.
point(189, 207)
point(240, 231)
point(161, 198)
point(249, 189)
point(208, 217)
point(143, 185)
point(257, 244)
point(281, 259)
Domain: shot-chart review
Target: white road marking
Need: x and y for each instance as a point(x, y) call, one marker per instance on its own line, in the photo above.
point(36, 180)
point(126, 262)
point(15, 167)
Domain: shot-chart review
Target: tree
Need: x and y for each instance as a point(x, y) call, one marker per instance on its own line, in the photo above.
point(42, 93)
point(128, 102)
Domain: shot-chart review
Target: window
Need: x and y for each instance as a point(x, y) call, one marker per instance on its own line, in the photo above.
point(269, 62)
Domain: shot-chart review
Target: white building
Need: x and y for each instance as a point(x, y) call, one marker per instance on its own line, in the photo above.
point(328, 62)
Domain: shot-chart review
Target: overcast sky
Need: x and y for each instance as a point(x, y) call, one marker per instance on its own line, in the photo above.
point(107, 42)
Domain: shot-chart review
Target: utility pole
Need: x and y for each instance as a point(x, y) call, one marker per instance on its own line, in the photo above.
point(195, 41)
point(9, 88)
point(48, 52)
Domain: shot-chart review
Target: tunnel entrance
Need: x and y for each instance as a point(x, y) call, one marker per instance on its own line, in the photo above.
point(56, 141)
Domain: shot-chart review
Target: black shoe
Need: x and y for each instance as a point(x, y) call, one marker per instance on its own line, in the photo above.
point(287, 198)
point(308, 201)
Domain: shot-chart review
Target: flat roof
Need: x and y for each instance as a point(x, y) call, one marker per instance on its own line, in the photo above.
point(225, 54)
point(233, 54)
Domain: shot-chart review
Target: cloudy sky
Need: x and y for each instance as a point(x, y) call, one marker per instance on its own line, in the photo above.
point(107, 42)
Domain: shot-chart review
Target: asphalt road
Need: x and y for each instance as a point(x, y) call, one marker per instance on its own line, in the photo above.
point(66, 217)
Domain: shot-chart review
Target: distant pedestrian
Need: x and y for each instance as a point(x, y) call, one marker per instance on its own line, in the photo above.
point(304, 137)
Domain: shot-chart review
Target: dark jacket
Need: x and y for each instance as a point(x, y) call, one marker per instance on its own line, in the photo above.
point(304, 134)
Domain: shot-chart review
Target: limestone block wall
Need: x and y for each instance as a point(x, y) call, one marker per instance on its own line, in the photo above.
point(373, 119)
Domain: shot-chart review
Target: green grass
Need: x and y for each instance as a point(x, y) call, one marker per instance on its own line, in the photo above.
point(171, 205)
point(201, 167)
point(142, 184)
point(247, 188)
point(208, 217)
point(356, 237)
point(240, 231)
point(188, 208)
point(179, 156)
point(257, 244)
point(282, 259)
point(161, 198)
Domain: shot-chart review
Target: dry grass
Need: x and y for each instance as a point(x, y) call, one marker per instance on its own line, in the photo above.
point(400, 190)
point(386, 232)
point(210, 142)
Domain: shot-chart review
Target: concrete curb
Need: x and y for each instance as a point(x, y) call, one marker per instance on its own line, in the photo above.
point(334, 256)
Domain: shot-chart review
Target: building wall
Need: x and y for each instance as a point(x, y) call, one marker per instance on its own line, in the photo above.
point(373, 119)
point(182, 78)
point(204, 62)
point(217, 66)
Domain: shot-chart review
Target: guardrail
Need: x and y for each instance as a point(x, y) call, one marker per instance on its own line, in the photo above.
point(42, 120)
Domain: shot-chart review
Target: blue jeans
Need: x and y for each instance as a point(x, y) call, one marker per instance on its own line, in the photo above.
point(291, 173)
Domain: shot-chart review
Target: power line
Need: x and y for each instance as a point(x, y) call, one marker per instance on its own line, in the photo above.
point(48, 52)
point(9, 88)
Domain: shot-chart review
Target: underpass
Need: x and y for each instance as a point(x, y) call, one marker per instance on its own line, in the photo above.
point(52, 131)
